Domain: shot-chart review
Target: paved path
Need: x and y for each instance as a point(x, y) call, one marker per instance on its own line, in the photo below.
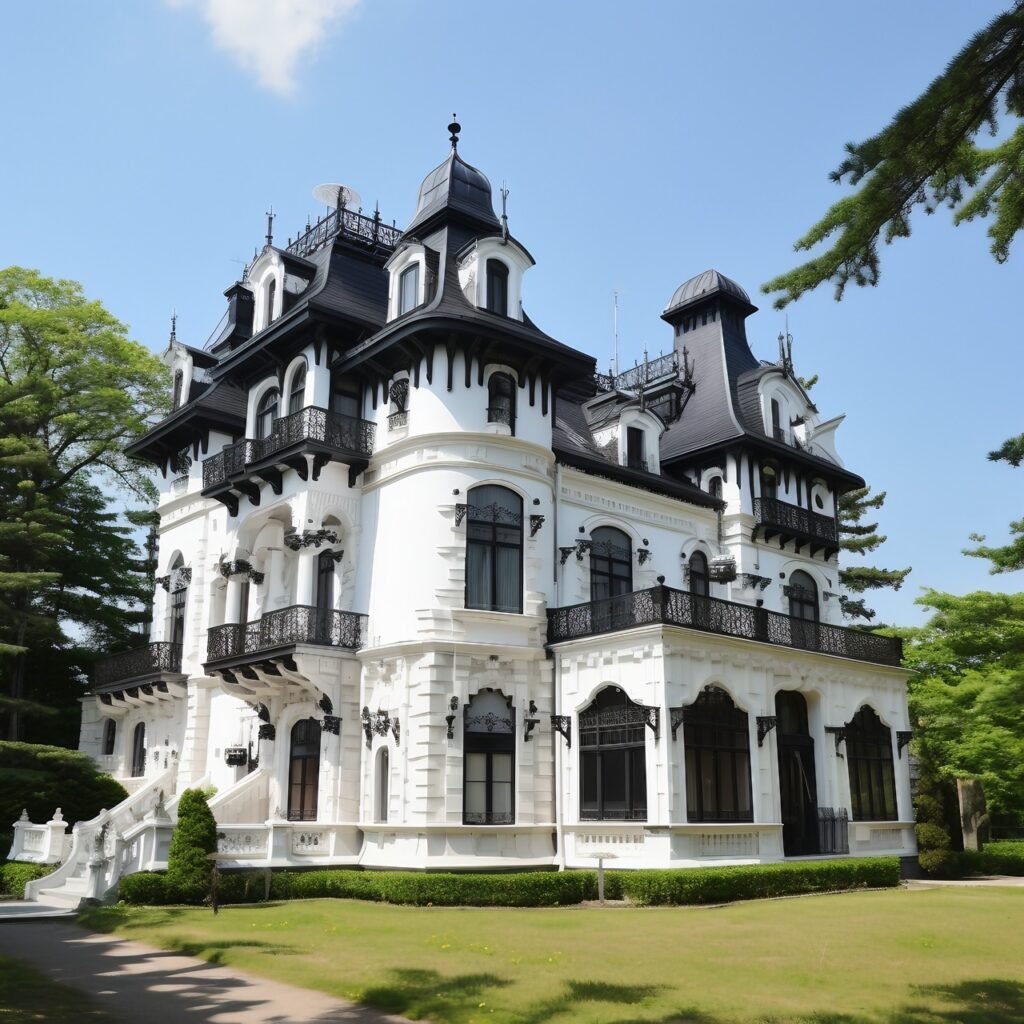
point(134, 982)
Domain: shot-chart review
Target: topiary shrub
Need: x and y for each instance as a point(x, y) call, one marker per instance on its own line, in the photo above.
point(145, 887)
point(194, 838)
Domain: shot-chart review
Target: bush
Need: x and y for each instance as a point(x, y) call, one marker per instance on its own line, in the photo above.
point(14, 875)
point(145, 887)
point(1005, 858)
point(195, 836)
point(40, 779)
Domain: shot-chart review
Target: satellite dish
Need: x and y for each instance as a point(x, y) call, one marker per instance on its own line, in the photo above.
point(334, 195)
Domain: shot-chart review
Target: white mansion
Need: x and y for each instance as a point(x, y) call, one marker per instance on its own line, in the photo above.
point(434, 594)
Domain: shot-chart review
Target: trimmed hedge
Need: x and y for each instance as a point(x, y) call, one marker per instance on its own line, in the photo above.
point(14, 875)
point(671, 887)
point(1002, 858)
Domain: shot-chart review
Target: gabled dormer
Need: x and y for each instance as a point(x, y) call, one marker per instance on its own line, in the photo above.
point(277, 278)
point(412, 277)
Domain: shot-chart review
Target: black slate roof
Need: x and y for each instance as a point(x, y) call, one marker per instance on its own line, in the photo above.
point(454, 185)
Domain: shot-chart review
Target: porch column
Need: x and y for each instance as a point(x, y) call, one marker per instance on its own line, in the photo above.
point(305, 578)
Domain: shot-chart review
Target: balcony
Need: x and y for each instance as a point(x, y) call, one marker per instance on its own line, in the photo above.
point(669, 607)
point(234, 643)
point(791, 522)
point(324, 435)
point(139, 663)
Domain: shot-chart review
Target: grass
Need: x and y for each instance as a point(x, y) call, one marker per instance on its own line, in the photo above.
point(26, 995)
point(935, 956)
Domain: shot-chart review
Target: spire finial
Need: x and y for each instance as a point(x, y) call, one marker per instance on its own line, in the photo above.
point(454, 128)
point(270, 226)
point(174, 326)
point(504, 212)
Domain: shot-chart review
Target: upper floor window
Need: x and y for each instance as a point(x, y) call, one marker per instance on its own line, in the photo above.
point(611, 563)
point(266, 413)
point(346, 397)
point(501, 400)
point(179, 379)
point(777, 431)
point(497, 287)
point(109, 735)
point(494, 549)
point(699, 579)
point(271, 299)
point(297, 394)
point(769, 482)
point(635, 451)
point(409, 289)
point(178, 586)
point(803, 596)
point(715, 487)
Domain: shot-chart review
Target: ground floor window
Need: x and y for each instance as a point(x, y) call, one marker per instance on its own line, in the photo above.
point(139, 751)
point(717, 742)
point(383, 783)
point(489, 751)
point(109, 735)
point(869, 761)
point(304, 770)
point(613, 758)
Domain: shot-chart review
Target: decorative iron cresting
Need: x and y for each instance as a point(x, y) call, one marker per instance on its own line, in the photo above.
point(352, 226)
point(139, 661)
point(562, 724)
point(765, 724)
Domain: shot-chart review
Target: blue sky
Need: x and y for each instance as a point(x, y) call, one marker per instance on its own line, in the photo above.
point(642, 143)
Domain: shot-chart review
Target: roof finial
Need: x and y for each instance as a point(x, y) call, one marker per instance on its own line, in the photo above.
point(504, 213)
point(174, 327)
point(270, 226)
point(454, 128)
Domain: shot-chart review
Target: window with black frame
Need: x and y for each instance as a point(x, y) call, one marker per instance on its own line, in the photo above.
point(716, 738)
point(611, 563)
point(109, 735)
point(613, 758)
point(501, 400)
point(497, 287)
point(494, 549)
point(769, 483)
point(870, 764)
point(179, 599)
point(297, 393)
point(699, 580)
point(489, 760)
point(304, 770)
point(139, 751)
point(409, 289)
point(266, 413)
point(802, 592)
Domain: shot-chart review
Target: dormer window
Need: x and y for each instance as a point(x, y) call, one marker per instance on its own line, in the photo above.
point(497, 287)
point(271, 297)
point(266, 414)
point(777, 431)
point(636, 457)
point(179, 378)
point(501, 400)
point(409, 289)
point(715, 487)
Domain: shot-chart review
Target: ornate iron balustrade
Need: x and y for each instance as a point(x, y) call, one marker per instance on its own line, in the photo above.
point(792, 519)
point(727, 618)
point(488, 818)
point(833, 830)
point(497, 414)
point(368, 231)
point(228, 464)
point(635, 378)
point(138, 662)
point(332, 429)
point(299, 624)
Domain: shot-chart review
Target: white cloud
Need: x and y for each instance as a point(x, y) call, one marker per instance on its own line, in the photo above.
point(267, 37)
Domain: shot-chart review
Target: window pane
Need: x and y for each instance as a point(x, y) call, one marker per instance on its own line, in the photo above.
point(508, 595)
point(501, 767)
point(588, 789)
point(613, 783)
point(478, 575)
point(476, 797)
point(409, 286)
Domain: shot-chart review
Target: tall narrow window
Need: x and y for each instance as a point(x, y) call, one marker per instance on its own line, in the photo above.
point(109, 735)
point(497, 287)
point(297, 393)
point(346, 397)
point(178, 586)
point(324, 593)
point(271, 299)
point(613, 758)
point(383, 784)
point(869, 760)
point(176, 395)
point(489, 746)
point(409, 289)
point(243, 601)
point(494, 549)
point(699, 581)
point(304, 770)
point(266, 413)
point(803, 596)
point(715, 487)
point(769, 482)
point(798, 791)
point(139, 751)
point(635, 453)
point(777, 431)
point(611, 563)
point(501, 400)
point(717, 742)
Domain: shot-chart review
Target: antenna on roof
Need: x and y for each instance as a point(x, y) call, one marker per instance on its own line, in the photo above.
point(270, 226)
point(336, 197)
point(174, 327)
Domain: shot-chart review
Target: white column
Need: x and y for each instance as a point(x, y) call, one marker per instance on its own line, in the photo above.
point(305, 578)
point(233, 601)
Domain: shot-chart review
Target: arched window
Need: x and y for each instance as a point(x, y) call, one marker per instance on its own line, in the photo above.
point(139, 751)
point(178, 587)
point(109, 735)
point(869, 761)
point(271, 297)
point(304, 770)
point(489, 744)
point(409, 289)
point(798, 791)
point(777, 431)
point(715, 487)
point(700, 583)
point(324, 593)
point(501, 400)
point(383, 784)
point(769, 482)
point(636, 449)
point(494, 549)
point(297, 394)
point(179, 379)
point(497, 287)
point(613, 758)
point(266, 413)
point(611, 563)
point(803, 596)
point(717, 742)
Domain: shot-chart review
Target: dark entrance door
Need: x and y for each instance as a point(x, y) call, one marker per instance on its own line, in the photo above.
point(798, 790)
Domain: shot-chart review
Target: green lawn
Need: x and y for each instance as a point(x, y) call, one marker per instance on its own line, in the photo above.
point(934, 956)
point(26, 995)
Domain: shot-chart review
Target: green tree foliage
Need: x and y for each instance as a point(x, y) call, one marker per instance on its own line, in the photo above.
point(928, 157)
point(967, 693)
point(1008, 557)
point(860, 538)
point(195, 836)
point(74, 390)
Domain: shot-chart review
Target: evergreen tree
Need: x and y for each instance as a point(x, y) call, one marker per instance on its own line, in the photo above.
point(195, 836)
point(73, 391)
point(1008, 557)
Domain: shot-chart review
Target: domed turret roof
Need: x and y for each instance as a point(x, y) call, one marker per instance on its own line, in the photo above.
point(456, 185)
point(704, 285)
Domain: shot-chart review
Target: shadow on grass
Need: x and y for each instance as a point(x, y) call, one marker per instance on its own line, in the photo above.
point(109, 919)
point(428, 995)
point(213, 952)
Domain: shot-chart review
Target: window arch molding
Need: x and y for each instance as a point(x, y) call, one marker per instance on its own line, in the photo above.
point(494, 547)
point(501, 398)
point(255, 397)
point(871, 768)
point(405, 258)
point(297, 370)
point(611, 561)
point(269, 296)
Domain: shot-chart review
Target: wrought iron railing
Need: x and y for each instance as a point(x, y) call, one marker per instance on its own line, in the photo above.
point(299, 624)
point(637, 377)
point(138, 662)
point(833, 830)
point(635, 462)
point(728, 618)
point(332, 429)
point(498, 414)
point(355, 227)
point(793, 518)
point(228, 463)
point(488, 818)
